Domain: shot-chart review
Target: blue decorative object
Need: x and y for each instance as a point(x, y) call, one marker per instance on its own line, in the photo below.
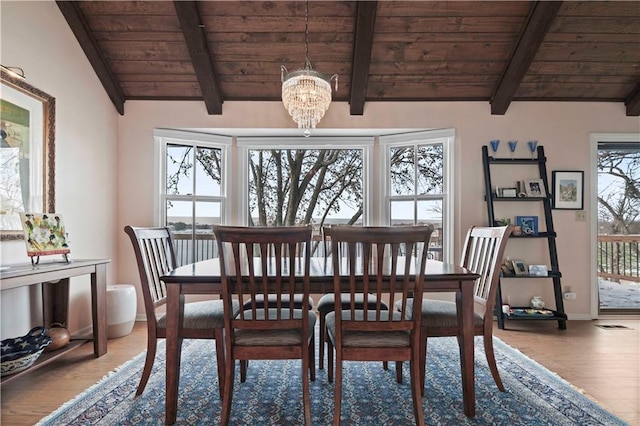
point(19, 353)
point(532, 145)
point(494, 144)
point(512, 145)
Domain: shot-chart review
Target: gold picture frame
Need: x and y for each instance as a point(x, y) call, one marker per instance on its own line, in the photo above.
point(27, 130)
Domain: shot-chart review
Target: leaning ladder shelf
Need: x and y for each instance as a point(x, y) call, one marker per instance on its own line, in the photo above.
point(549, 234)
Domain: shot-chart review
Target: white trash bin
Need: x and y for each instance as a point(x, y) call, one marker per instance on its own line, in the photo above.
point(121, 309)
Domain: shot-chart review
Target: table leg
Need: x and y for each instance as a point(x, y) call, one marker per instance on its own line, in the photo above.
point(99, 309)
point(55, 302)
point(175, 311)
point(464, 301)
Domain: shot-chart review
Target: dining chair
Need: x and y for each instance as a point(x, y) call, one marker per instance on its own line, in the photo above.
point(261, 332)
point(377, 260)
point(326, 303)
point(155, 255)
point(482, 253)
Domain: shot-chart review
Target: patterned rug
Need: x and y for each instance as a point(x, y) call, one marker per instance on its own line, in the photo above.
point(371, 396)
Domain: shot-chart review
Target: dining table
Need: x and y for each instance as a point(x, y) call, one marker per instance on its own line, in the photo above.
point(204, 277)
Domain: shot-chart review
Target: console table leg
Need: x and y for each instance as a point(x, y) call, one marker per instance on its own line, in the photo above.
point(99, 309)
point(55, 302)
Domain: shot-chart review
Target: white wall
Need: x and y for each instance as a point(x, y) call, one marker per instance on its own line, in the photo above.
point(562, 128)
point(35, 37)
point(104, 162)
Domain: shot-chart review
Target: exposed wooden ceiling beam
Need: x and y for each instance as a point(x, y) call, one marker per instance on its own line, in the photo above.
point(633, 102)
point(533, 33)
point(363, 43)
point(78, 24)
point(196, 38)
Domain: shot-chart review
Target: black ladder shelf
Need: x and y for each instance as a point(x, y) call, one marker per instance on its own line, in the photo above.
point(549, 234)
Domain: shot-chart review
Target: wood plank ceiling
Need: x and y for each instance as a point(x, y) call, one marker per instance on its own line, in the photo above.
point(492, 51)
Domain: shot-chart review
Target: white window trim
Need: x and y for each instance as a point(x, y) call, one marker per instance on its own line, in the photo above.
point(244, 144)
point(163, 137)
point(447, 138)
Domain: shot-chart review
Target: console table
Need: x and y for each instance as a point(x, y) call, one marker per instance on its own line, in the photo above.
point(55, 277)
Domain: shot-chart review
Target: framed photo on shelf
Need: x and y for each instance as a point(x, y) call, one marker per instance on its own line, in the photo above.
point(520, 267)
point(568, 190)
point(538, 270)
point(534, 188)
point(528, 224)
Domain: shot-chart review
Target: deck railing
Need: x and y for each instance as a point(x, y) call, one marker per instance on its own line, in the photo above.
point(206, 248)
point(619, 257)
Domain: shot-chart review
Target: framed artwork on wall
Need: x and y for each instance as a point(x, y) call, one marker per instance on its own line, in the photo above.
point(568, 190)
point(27, 152)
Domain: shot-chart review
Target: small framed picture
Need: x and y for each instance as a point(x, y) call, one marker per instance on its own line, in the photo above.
point(568, 190)
point(528, 224)
point(538, 270)
point(509, 192)
point(520, 267)
point(534, 188)
point(503, 222)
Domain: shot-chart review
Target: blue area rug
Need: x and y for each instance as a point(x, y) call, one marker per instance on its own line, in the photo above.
point(272, 393)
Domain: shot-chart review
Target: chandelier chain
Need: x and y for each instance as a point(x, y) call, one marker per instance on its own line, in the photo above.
point(306, 31)
point(306, 93)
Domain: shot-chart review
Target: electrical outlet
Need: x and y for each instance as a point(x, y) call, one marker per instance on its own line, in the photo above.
point(581, 216)
point(569, 295)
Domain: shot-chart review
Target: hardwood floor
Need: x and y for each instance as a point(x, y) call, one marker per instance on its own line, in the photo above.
point(604, 363)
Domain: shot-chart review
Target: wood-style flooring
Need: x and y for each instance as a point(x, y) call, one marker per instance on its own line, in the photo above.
point(604, 363)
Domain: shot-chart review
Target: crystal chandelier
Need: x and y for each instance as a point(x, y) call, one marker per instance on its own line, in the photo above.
point(306, 93)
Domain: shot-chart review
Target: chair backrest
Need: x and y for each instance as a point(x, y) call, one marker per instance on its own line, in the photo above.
point(155, 255)
point(482, 253)
point(265, 261)
point(373, 261)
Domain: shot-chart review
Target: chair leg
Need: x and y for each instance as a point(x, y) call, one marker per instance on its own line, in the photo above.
point(329, 361)
point(312, 358)
point(307, 362)
point(148, 365)
point(322, 340)
point(399, 371)
point(220, 358)
point(385, 365)
point(243, 370)
point(491, 360)
point(416, 392)
point(229, 372)
point(422, 360)
point(337, 389)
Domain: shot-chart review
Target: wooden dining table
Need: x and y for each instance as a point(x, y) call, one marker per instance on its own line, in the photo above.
point(203, 277)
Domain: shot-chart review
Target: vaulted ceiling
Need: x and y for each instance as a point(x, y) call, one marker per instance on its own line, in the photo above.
point(492, 51)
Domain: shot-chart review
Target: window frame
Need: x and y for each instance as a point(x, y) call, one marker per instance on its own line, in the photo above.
point(163, 138)
point(376, 173)
point(245, 144)
point(446, 138)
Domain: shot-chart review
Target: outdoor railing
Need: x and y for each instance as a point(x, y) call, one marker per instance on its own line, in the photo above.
point(619, 257)
point(206, 248)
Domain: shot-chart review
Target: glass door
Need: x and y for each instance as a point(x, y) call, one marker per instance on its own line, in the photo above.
point(618, 232)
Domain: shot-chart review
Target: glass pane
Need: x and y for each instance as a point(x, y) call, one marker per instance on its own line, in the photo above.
point(402, 213)
point(430, 212)
point(288, 187)
point(402, 170)
point(208, 171)
point(207, 214)
point(179, 169)
point(430, 169)
point(179, 219)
